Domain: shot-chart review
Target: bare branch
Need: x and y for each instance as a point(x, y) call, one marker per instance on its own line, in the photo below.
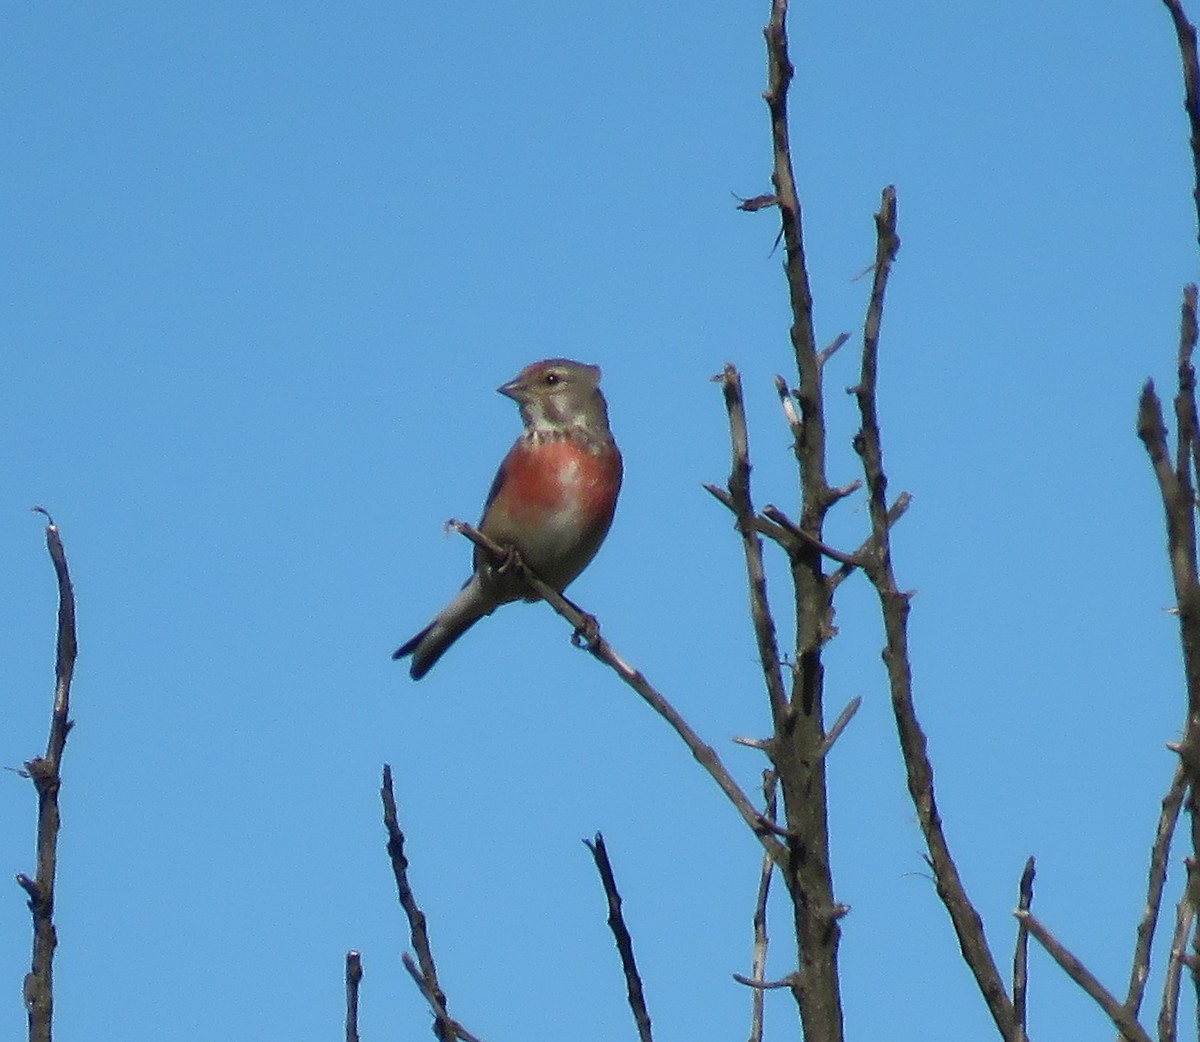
point(770, 529)
point(444, 1027)
point(1159, 853)
point(46, 773)
point(839, 725)
point(895, 512)
point(739, 491)
point(600, 649)
point(773, 513)
point(1185, 33)
point(1021, 955)
point(758, 963)
point(808, 874)
point(895, 608)
point(354, 976)
point(1123, 1020)
point(1168, 1014)
point(828, 352)
point(1177, 490)
point(620, 932)
point(766, 985)
point(441, 1019)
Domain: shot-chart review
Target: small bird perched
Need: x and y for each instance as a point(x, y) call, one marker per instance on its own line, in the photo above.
point(552, 500)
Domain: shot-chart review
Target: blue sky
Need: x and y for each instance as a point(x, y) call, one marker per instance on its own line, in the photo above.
point(262, 267)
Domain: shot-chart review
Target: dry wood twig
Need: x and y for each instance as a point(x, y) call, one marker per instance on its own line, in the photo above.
point(620, 932)
point(588, 635)
point(1159, 852)
point(739, 492)
point(894, 604)
point(1185, 33)
point(46, 774)
point(1021, 955)
point(442, 1020)
point(445, 1027)
point(1168, 1013)
point(758, 962)
point(354, 976)
point(1123, 1020)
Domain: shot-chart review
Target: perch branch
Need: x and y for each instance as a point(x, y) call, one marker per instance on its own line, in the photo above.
point(620, 932)
point(600, 649)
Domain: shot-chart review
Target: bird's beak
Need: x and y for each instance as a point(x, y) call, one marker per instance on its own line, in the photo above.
point(512, 390)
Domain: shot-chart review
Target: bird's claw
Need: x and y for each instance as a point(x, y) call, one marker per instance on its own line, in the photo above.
point(587, 633)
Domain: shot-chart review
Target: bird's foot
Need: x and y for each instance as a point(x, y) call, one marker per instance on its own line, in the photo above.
point(587, 633)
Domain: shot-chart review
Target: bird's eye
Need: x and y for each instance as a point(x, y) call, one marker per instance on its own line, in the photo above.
point(550, 379)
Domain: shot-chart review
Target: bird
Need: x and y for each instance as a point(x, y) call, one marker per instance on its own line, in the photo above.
point(552, 500)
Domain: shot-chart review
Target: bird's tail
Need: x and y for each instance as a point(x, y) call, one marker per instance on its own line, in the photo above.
point(451, 622)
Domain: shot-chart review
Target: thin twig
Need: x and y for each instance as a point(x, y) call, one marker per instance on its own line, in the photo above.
point(1159, 855)
point(758, 962)
point(828, 352)
point(1168, 1014)
point(600, 649)
point(620, 932)
point(354, 976)
point(1021, 955)
point(1185, 33)
point(770, 529)
point(894, 605)
point(443, 1026)
point(433, 996)
point(1177, 489)
point(773, 513)
point(739, 491)
point(839, 725)
point(46, 773)
point(766, 985)
point(895, 512)
point(1123, 1020)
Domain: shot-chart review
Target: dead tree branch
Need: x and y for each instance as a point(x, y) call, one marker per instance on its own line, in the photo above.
point(739, 493)
point(445, 1027)
point(758, 963)
point(1177, 488)
point(453, 1028)
point(46, 774)
point(620, 932)
point(894, 605)
point(354, 976)
point(1168, 1013)
point(1021, 955)
point(587, 633)
point(1185, 33)
point(1159, 852)
point(1123, 1020)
